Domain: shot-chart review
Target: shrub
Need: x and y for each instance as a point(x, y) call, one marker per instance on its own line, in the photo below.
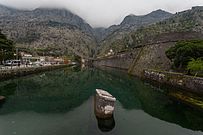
point(6, 48)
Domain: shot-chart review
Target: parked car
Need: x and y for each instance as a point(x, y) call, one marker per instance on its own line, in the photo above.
point(12, 63)
point(8, 63)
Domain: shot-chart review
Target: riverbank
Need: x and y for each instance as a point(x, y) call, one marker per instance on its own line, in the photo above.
point(146, 70)
point(176, 80)
point(153, 56)
point(18, 72)
point(179, 80)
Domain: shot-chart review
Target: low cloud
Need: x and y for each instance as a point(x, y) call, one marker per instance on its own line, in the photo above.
point(106, 12)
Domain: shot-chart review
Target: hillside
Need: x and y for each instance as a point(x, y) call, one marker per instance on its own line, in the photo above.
point(131, 22)
point(190, 21)
point(44, 28)
point(58, 31)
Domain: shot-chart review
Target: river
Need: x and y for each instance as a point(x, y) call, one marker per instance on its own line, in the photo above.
point(60, 102)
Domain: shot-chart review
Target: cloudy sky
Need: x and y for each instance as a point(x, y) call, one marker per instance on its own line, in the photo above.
point(107, 12)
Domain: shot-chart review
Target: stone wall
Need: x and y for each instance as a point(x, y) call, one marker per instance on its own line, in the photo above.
point(11, 73)
point(150, 55)
point(121, 61)
point(193, 84)
point(135, 61)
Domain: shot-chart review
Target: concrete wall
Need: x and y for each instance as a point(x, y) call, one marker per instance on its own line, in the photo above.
point(193, 84)
point(8, 74)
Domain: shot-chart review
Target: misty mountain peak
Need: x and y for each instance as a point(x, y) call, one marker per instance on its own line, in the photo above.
point(54, 12)
point(132, 22)
point(159, 13)
point(4, 10)
point(198, 8)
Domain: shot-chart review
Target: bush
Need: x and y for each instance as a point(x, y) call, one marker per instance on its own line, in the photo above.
point(6, 48)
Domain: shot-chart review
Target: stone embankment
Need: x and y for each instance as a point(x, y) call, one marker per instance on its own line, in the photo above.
point(120, 61)
point(151, 55)
point(135, 61)
point(17, 72)
point(194, 84)
point(148, 55)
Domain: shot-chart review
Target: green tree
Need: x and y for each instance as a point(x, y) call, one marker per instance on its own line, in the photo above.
point(6, 48)
point(195, 65)
point(184, 51)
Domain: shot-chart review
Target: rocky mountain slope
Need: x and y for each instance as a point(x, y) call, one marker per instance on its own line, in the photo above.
point(58, 31)
point(44, 28)
point(190, 21)
point(131, 22)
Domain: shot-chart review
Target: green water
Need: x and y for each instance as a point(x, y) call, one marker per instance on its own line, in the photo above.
point(61, 103)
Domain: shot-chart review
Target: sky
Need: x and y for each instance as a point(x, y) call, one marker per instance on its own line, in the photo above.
point(103, 13)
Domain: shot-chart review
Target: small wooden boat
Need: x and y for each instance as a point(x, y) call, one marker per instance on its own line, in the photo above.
point(104, 104)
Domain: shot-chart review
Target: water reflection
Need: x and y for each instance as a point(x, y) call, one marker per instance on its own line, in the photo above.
point(8, 88)
point(2, 101)
point(106, 125)
point(62, 91)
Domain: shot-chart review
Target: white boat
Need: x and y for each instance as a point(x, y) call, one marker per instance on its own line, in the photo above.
point(104, 104)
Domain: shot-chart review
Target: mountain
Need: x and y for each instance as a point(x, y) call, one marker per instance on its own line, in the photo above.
point(132, 22)
point(48, 29)
point(61, 16)
point(190, 21)
point(152, 17)
point(59, 31)
point(6, 10)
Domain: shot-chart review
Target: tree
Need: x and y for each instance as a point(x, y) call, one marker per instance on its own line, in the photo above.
point(184, 51)
point(195, 65)
point(6, 48)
